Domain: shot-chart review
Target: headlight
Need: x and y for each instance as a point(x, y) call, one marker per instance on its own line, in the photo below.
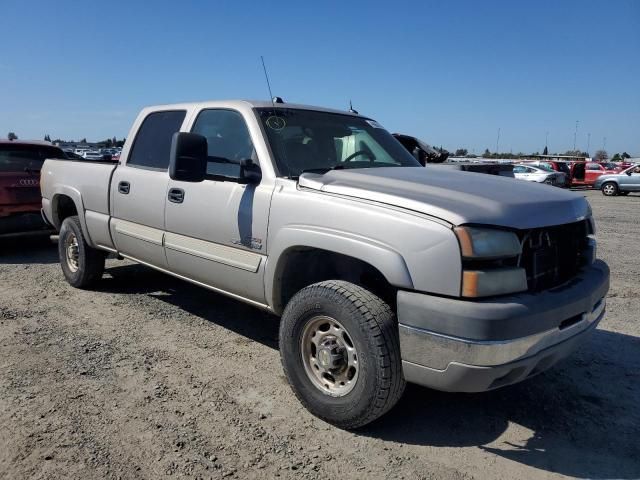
point(484, 271)
point(486, 243)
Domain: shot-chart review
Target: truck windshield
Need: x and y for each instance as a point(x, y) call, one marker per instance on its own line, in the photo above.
point(20, 158)
point(308, 140)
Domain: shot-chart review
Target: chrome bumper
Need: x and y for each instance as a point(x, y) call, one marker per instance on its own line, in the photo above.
point(453, 363)
point(438, 351)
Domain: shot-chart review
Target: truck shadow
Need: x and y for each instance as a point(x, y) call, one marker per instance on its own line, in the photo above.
point(231, 314)
point(580, 419)
point(28, 249)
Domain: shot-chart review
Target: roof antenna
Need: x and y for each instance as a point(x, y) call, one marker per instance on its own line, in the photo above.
point(351, 108)
point(274, 100)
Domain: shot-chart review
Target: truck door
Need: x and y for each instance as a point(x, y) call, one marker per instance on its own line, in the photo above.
point(216, 230)
point(139, 190)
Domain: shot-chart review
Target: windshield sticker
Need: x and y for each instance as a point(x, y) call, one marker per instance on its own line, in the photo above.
point(374, 124)
point(276, 123)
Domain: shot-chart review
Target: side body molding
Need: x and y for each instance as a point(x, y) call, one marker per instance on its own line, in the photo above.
point(388, 261)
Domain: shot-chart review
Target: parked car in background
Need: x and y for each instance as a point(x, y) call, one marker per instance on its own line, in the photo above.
point(71, 155)
point(586, 173)
point(420, 150)
point(620, 166)
point(620, 183)
point(555, 165)
point(96, 155)
point(539, 174)
point(20, 200)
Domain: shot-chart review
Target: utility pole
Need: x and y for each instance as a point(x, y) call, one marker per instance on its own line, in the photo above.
point(575, 136)
point(588, 143)
point(546, 140)
point(498, 141)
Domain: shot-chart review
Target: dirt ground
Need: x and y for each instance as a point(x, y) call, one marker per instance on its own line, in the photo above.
point(151, 377)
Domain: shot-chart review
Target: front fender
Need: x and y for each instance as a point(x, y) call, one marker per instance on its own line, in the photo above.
point(388, 261)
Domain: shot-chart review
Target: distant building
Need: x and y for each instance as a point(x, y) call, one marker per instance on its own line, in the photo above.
point(558, 158)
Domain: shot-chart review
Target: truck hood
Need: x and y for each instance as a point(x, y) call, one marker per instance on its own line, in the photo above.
point(456, 197)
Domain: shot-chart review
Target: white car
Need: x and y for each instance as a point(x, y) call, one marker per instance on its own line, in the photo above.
point(92, 155)
point(539, 174)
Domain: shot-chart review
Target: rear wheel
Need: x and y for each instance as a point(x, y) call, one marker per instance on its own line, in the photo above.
point(610, 189)
point(340, 352)
point(82, 265)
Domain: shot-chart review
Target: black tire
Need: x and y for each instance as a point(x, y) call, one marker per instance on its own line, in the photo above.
point(610, 189)
point(373, 331)
point(89, 266)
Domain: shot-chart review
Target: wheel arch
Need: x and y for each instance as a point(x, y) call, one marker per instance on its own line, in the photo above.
point(324, 253)
point(66, 202)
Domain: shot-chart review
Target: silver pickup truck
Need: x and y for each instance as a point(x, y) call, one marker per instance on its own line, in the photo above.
point(381, 270)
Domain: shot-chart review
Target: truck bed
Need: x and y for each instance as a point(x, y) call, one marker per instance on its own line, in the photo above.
point(87, 183)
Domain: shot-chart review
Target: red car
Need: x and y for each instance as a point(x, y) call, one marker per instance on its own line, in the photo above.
point(20, 200)
point(586, 173)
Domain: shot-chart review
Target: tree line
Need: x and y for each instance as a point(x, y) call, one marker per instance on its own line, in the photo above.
point(600, 155)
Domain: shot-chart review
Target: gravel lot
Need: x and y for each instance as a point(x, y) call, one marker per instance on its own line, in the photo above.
point(150, 377)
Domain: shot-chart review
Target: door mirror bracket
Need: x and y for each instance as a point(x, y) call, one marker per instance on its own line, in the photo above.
point(250, 172)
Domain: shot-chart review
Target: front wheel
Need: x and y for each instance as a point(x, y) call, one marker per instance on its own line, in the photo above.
point(610, 189)
point(340, 351)
point(82, 265)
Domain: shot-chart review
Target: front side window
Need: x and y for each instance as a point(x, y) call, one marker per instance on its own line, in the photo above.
point(593, 166)
point(228, 141)
point(152, 145)
point(21, 158)
point(308, 140)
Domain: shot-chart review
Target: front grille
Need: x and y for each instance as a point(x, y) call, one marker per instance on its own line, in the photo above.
point(553, 255)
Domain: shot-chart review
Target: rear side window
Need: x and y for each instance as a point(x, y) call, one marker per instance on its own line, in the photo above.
point(152, 145)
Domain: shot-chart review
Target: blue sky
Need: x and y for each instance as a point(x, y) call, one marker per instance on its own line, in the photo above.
point(452, 72)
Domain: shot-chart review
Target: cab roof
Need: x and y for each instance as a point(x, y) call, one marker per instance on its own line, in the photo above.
point(237, 104)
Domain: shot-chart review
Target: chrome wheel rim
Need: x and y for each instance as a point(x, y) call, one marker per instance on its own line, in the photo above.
point(329, 356)
point(608, 189)
point(72, 252)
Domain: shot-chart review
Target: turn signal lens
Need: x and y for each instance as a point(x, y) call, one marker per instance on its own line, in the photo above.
point(498, 281)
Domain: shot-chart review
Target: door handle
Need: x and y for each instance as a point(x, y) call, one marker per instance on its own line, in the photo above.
point(176, 195)
point(124, 187)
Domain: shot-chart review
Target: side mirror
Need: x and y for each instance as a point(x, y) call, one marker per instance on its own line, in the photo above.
point(188, 158)
point(250, 172)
